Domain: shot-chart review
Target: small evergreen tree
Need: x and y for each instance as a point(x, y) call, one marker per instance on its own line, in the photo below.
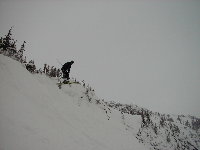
point(168, 137)
point(31, 66)
point(1, 43)
point(58, 73)
point(8, 45)
point(20, 53)
point(7, 40)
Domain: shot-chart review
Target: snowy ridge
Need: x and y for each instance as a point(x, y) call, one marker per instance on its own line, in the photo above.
point(36, 114)
point(163, 131)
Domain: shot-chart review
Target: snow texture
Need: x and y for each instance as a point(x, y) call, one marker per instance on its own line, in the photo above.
point(35, 114)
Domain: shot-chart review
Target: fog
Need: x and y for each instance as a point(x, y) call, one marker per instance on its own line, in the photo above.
point(141, 52)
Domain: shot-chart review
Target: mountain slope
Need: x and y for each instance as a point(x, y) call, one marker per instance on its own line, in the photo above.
point(162, 131)
point(36, 114)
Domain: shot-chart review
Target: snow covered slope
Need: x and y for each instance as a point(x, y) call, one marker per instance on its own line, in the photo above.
point(36, 115)
point(162, 131)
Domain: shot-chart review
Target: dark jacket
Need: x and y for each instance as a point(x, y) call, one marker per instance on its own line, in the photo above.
point(67, 66)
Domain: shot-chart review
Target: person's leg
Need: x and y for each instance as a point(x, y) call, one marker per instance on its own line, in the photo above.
point(67, 75)
point(64, 75)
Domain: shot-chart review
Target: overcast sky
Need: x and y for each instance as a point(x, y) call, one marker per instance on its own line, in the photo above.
point(145, 52)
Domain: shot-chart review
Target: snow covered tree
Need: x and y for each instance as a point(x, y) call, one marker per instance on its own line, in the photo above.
point(8, 45)
point(20, 53)
point(53, 72)
point(31, 66)
point(168, 137)
point(162, 121)
point(58, 73)
point(7, 40)
point(45, 68)
point(1, 43)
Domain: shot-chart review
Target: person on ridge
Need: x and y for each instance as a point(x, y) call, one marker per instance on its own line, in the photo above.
point(66, 69)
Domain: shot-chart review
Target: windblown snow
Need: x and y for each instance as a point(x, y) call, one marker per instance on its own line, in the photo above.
point(36, 115)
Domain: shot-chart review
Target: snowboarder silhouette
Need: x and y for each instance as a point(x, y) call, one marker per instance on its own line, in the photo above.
point(66, 69)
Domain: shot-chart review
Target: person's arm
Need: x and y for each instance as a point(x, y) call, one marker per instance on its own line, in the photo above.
point(68, 70)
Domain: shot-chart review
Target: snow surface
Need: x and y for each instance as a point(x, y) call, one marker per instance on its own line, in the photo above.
point(36, 115)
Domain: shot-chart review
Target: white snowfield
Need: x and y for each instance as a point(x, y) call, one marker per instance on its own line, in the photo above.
point(36, 115)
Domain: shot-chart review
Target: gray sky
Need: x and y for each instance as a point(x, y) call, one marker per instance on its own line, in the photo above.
point(141, 52)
